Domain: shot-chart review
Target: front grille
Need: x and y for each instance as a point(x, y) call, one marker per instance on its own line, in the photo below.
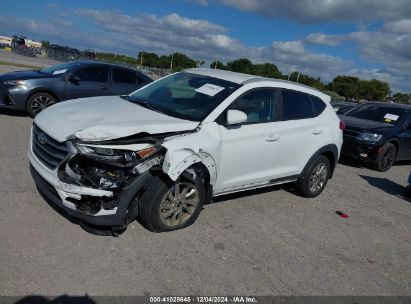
point(48, 150)
point(45, 184)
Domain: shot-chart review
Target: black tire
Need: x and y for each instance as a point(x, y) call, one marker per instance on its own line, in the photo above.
point(156, 197)
point(386, 158)
point(308, 185)
point(38, 102)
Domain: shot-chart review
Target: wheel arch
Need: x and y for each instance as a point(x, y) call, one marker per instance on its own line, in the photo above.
point(42, 90)
point(396, 142)
point(330, 152)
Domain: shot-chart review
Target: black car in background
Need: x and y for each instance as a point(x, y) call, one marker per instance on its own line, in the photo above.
point(342, 107)
point(33, 91)
point(378, 133)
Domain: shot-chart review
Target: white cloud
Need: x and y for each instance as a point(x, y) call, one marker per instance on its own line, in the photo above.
point(387, 48)
point(314, 11)
point(323, 39)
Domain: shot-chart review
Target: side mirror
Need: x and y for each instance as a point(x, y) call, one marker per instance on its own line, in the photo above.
point(235, 117)
point(74, 79)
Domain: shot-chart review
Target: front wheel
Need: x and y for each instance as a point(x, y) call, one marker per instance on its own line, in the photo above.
point(167, 206)
point(386, 157)
point(38, 102)
point(315, 178)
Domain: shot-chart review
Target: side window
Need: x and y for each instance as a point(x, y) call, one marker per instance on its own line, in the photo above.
point(94, 73)
point(124, 76)
point(259, 105)
point(408, 123)
point(296, 105)
point(319, 105)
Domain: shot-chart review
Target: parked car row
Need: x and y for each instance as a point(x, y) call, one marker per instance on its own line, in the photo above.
point(33, 91)
point(159, 153)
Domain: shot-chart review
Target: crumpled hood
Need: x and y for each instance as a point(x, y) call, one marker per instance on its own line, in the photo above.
point(104, 118)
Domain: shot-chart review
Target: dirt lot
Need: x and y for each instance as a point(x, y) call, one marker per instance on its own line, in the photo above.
point(267, 242)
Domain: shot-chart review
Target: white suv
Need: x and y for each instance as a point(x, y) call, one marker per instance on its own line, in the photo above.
point(162, 152)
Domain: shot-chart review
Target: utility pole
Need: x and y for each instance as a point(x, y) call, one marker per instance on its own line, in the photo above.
point(171, 63)
point(141, 58)
point(215, 65)
point(298, 77)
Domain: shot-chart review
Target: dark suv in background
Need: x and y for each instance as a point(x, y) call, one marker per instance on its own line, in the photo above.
point(378, 133)
point(35, 90)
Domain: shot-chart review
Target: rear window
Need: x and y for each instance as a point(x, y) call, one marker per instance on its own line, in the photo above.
point(296, 105)
point(319, 105)
point(124, 76)
point(379, 113)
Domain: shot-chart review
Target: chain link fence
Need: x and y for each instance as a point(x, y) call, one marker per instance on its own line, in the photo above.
point(66, 54)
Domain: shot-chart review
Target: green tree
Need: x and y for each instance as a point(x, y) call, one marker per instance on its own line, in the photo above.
point(220, 65)
point(242, 65)
point(402, 98)
point(307, 80)
point(266, 70)
point(346, 86)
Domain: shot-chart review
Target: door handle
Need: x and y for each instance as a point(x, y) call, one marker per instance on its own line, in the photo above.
point(104, 88)
point(317, 132)
point(272, 138)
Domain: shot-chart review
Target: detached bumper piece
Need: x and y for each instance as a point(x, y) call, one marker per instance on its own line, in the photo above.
point(87, 207)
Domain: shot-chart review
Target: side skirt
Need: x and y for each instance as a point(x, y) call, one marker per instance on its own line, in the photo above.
point(272, 182)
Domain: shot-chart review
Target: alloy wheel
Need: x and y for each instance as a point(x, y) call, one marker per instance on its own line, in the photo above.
point(388, 158)
point(318, 177)
point(40, 103)
point(179, 204)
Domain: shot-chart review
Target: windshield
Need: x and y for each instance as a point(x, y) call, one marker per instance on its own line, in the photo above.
point(379, 113)
point(185, 95)
point(59, 68)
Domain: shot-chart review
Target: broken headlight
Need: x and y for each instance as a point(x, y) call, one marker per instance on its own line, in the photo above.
point(123, 154)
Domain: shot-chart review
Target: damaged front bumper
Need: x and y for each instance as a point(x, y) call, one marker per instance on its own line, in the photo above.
point(100, 207)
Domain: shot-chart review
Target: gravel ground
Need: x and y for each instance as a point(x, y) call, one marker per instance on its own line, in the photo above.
point(267, 242)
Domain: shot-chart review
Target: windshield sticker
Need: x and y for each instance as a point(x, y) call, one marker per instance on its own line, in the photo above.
point(210, 89)
point(59, 71)
point(390, 117)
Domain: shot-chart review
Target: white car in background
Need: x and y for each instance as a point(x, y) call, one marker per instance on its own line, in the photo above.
point(163, 151)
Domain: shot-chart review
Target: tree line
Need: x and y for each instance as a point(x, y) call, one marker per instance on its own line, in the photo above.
point(340, 88)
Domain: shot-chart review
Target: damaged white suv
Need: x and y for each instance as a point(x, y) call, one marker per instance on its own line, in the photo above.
point(162, 152)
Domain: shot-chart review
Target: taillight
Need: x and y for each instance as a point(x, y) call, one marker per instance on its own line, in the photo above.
point(342, 125)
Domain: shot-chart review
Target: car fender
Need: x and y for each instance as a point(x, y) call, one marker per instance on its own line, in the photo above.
point(47, 90)
point(331, 148)
point(177, 161)
point(203, 146)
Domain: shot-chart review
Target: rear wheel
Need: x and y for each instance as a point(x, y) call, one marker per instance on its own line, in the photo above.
point(38, 102)
point(386, 157)
point(315, 178)
point(167, 206)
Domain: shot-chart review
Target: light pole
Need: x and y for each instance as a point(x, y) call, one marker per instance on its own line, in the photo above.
point(141, 58)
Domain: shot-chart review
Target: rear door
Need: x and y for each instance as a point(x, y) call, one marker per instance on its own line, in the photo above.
point(125, 81)
point(89, 81)
point(302, 131)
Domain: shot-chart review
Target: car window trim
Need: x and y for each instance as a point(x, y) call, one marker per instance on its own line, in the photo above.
point(309, 98)
point(92, 66)
point(221, 119)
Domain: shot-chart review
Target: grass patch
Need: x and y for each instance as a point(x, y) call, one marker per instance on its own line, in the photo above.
point(20, 65)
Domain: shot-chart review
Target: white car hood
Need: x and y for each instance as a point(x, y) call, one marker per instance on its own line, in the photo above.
point(103, 118)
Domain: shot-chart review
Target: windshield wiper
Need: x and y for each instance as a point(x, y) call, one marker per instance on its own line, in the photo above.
point(147, 105)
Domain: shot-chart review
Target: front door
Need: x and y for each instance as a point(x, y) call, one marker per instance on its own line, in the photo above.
point(248, 152)
point(87, 82)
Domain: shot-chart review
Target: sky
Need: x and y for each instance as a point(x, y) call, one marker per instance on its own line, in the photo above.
point(369, 39)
